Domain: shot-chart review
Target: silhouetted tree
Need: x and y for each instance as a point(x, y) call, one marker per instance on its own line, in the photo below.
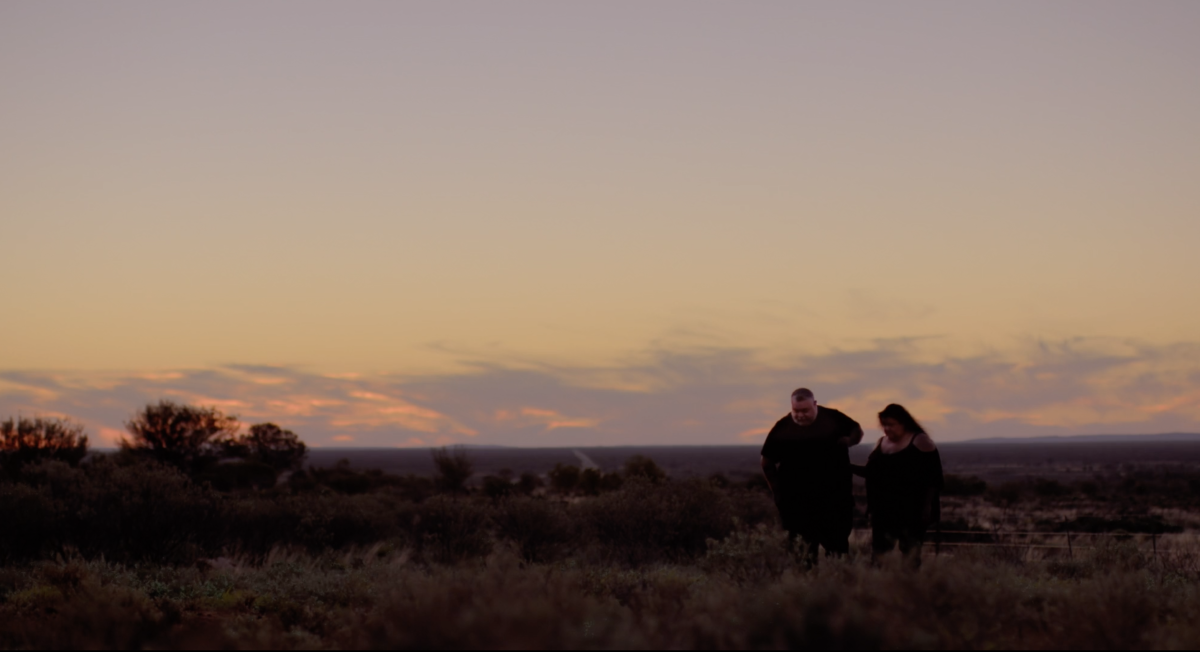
point(25, 441)
point(640, 466)
point(454, 468)
point(184, 436)
point(270, 445)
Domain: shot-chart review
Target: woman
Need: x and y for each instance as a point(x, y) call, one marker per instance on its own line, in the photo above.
point(904, 478)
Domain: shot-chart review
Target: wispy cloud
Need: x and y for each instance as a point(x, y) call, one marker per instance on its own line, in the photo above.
point(710, 395)
point(550, 419)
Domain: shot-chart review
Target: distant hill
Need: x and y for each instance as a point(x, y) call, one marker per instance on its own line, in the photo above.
point(1089, 439)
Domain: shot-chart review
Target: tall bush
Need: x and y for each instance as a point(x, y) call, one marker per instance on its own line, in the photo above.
point(270, 445)
point(183, 436)
point(26, 441)
point(647, 522)
point(454, 468)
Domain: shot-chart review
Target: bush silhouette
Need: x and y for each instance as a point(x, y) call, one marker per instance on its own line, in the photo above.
point(186, 437)
point(640, 466)
point(26, 441)
point(593, 482)
point(445, 530)
point(269, 445)
point(131, 510)
point(539, 528)
point(454, 468)
point(668, 521)
point(239, 476)
point(528, 483)
point(495, 486)
point(564, 478)
point(32, 522)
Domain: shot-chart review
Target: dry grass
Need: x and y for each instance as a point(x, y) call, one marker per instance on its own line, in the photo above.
point(745, 592)
point(658, 564)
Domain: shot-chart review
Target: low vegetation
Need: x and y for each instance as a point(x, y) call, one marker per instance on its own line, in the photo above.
point(218, 537)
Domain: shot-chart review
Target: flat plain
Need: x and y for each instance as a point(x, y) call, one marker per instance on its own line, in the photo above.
point(993, 461)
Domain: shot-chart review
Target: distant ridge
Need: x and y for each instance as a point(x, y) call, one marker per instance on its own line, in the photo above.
point(1186, 437)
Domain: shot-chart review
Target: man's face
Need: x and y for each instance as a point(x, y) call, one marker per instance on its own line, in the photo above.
point(804, 411)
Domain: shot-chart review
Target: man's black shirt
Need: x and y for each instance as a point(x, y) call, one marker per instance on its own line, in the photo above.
point(814, 465)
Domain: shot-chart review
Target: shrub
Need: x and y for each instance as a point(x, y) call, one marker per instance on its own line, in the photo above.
point(1089, 488)
point(564, 478)
point(446, 530)
point(540, 529)
point(454, 468)
point(144, 511)
point(719, 480)
point(1046, 488)
point(592, 482)
point(750, 557)
point(33, 522)
point(239, 475)
point(124, 511)
point(269, 445)
point(752, 508)
point(500, 607)
point(529, 482)
point(186, 437)
point(334, 522)
point(1007, 494)
point(963, 485)
point(645, 468)
point(496, 487)
point(340, 478)
point(644, 522)
point(28, 441)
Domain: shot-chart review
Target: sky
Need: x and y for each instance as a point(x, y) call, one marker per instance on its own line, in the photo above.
point(601, 223)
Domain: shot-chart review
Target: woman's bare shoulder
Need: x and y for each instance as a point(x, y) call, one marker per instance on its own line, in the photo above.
point(924, 443)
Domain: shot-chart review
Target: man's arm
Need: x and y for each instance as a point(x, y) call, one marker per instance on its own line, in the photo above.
point(771, 473)
point(855, 436)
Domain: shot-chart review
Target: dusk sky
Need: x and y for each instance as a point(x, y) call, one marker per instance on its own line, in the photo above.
point(601, 223)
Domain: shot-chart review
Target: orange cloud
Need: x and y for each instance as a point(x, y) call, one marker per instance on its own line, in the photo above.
point(706, 397)
point(549, 419)
point(110, 437)
point(753, 434)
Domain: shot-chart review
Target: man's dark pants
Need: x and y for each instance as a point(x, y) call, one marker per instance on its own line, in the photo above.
point(814, 526)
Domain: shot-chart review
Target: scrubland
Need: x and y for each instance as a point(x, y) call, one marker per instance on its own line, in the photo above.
point(125, 552)
point(199, 533)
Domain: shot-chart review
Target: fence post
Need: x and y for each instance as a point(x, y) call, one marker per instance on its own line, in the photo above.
point(1070, 549)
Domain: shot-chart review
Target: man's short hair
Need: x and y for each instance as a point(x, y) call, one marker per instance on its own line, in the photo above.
point(803, 394)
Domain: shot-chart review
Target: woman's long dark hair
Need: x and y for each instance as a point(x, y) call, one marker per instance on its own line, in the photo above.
point(900, 415)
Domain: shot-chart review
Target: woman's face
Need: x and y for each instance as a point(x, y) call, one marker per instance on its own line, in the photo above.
point(892, 429)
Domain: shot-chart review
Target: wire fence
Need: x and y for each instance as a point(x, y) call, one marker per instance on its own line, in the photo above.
point(1067, 542)
point(1047, 544)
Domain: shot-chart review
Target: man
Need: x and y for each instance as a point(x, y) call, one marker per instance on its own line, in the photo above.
point(806, 460)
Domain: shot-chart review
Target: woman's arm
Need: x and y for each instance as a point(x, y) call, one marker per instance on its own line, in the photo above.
point(927, 513)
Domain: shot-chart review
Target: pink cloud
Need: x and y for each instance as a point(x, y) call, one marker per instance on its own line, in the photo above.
point(706, 397)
